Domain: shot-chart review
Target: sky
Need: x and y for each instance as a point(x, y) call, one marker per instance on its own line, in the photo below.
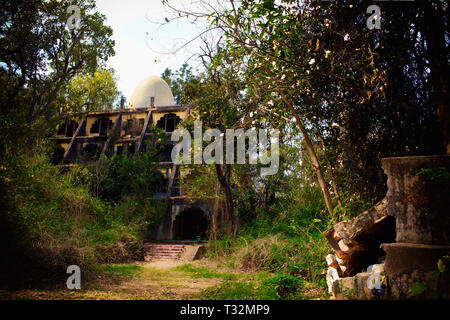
point(140, 40)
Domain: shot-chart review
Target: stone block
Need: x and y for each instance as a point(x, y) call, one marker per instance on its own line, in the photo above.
point(370, 285)
point(418, 198)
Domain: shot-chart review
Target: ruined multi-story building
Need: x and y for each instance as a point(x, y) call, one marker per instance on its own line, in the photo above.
point(124, 131)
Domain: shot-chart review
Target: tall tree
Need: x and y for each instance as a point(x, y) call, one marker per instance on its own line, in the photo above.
point(90, 93)
point(370, 91)
point(217, 102)
point(176, 79)
point(41, 51)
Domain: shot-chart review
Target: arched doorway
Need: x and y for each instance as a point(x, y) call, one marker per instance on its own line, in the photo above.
point(101, 126)
point(68, 129)
point(191, 224)
point(169, 122)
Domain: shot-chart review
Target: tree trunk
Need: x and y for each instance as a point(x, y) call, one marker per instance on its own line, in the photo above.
point(312, 153)
point(330, 167)
point(224, 179)
point(434, 31)
point(215, 213)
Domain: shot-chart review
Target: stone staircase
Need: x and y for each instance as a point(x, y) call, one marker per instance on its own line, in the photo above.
point(157, 251)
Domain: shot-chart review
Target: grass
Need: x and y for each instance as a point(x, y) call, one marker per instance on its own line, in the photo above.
point(202, 272)
point(276, 255)
point(199, 280)
point(53, 220)
point(264, 286)
point(240, 291)
point(251, 285)
point(125, 271)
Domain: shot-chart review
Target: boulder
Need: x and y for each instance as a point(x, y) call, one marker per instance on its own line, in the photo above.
point(368, 285)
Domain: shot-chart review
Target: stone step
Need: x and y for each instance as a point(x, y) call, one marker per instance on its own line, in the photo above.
point(162, 251)
point(160, 247)
point(163, 256)
point(163, 245)
point(163, 248)
point(152, 258)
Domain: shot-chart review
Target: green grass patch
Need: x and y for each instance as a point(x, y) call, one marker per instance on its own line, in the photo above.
point(202, 272)
point(240, 291)
point(119, 270)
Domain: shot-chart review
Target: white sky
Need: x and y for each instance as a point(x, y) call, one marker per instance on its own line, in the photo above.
point(140, 41)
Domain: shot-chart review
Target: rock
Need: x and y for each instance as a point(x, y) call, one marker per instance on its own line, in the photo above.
point(329, 234)
point(332, 276)
point(331, 261)
point(349, 247)
point(356, 243)
point(370, 285)
point(362, 224)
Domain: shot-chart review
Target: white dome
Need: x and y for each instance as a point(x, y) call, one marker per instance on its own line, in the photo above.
point(152, 87)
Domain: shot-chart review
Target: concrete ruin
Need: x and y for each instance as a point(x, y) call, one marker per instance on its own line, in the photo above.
point(418, 198)
point(87, 137)
point(395, 249)
point(356, 269)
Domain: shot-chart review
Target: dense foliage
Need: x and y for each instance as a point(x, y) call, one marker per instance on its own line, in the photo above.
point(51, 218)
point(353, 94)
point(342, 95)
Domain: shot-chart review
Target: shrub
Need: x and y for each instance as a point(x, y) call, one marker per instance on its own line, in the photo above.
point(52, 220)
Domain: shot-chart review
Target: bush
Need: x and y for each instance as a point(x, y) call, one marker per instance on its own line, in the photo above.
point(289, 244)
point(286, 285)
point(52, 220)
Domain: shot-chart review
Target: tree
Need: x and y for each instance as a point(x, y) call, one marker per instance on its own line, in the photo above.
point(366, 93)
point(216, 105)
point(39, 55)
point(175, 80)
point(91, 93)
point(435, 26)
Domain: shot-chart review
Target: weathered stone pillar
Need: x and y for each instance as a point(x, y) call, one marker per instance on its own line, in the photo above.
point(165, 231)
point(418, 198)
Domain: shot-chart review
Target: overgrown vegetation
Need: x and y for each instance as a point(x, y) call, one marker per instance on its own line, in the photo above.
point(341, 98)
point(54, 218)
point(288, 244)
point(51, 217)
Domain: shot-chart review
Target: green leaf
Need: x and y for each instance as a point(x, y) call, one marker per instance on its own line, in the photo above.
point(416, 289)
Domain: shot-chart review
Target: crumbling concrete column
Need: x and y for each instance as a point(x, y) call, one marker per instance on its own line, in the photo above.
point(418, 198)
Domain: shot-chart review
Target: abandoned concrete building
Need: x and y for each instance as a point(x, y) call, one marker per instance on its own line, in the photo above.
point(124, 131)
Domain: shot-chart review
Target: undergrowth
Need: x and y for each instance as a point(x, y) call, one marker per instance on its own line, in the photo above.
point(52, 220)
point(290, 245)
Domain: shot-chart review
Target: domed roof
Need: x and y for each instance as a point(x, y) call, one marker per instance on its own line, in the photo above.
point(152, 87)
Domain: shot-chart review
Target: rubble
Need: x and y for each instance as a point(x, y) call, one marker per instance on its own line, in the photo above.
point(356, 246)
point(368, 285)
point(407, 232)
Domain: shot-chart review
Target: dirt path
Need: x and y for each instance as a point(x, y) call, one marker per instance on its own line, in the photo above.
point(158, 280)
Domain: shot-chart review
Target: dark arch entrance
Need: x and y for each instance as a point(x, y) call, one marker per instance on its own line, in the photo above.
point(191, 224)
point(169, 122)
